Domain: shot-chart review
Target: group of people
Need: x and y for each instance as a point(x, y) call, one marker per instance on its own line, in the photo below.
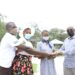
point(16, 53)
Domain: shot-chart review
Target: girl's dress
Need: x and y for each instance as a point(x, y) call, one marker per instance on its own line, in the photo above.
point(47, 66)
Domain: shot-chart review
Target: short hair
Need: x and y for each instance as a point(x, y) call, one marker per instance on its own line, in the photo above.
point(10, 25)
point(70, 28)
point(44, 31)
point(26, 30)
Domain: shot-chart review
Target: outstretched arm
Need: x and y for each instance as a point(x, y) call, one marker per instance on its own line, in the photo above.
point(32, 51)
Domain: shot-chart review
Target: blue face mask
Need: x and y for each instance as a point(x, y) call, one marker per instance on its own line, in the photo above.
point(27, 36)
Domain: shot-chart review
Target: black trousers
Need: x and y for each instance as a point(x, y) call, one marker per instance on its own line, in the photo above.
point(5, 71)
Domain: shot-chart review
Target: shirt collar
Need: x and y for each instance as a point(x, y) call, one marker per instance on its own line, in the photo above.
point(45, 41)
point(71, 37)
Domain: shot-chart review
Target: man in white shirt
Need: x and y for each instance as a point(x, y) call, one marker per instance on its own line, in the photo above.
point(8, 48)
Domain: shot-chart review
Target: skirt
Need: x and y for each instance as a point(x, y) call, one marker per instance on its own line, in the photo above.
point(23, 65)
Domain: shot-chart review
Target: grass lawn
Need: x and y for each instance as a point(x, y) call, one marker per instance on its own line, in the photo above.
point(35, 67)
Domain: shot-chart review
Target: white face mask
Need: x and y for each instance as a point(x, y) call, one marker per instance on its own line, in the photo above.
point(28, 36)
point(45, 37)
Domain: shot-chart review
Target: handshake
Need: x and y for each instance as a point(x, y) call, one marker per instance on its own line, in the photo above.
point(57, 53)
point(51, 55)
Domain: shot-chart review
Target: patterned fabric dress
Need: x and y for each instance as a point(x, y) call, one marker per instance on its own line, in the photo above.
point(23, 65)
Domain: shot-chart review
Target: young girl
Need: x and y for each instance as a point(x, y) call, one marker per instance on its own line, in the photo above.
point(47, 64)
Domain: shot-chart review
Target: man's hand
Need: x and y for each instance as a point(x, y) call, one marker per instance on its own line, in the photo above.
point(52, 55)
point(39, 56)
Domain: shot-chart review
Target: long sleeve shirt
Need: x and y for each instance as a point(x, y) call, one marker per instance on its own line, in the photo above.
point(68, 48)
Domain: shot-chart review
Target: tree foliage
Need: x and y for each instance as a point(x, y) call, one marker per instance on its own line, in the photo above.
point(37, 35)
point(56, 33)
point(2, 27)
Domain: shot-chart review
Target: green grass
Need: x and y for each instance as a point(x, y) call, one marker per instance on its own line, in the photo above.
point(34, 67)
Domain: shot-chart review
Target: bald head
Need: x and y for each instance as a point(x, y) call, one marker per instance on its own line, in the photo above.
point(10, 26)
point(70, 31)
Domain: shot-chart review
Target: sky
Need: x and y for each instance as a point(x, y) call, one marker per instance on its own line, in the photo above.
point(46, 13)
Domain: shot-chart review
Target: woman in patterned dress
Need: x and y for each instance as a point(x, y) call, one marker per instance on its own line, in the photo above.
point(23, 64)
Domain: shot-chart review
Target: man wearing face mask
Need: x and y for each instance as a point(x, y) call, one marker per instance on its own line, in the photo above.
point(68, 49)
point(47, 64)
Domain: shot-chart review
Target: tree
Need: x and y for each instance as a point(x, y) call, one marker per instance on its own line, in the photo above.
point(2, 27)
point(56, 33)
point(37, 35)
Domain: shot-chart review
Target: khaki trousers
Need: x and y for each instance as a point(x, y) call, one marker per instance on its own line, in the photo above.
point(69, 71)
